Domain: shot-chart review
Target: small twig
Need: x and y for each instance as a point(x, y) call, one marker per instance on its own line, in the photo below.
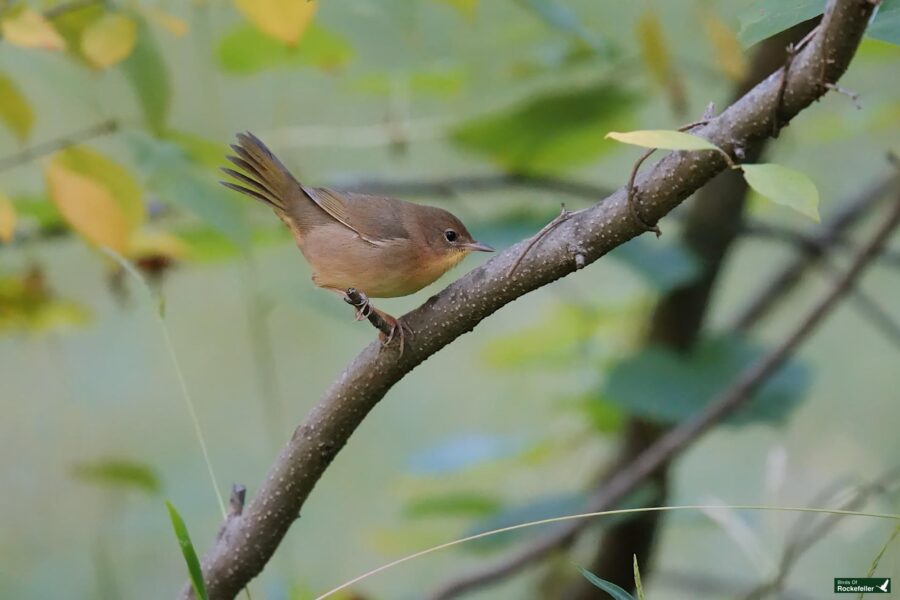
point(633, 189)
point(29, 154)
point(854, 97)
point(779, 97)
point(236, 502)
point(562, 216)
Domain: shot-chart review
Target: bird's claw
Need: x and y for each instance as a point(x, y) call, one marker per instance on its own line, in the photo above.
point(399, 330)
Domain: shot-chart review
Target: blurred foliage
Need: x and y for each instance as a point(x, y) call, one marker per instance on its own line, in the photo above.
point(550, 132)
point(116, 473)
point(667, 386)
point(568, 76)
point(247, 50)
point(27, 304)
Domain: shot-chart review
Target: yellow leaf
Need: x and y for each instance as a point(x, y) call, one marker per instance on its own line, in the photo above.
point(169, 22)
point(7, 219)
point(664, 139)
point(656, 58)
point(284, 20)
point(29, 29)
point(96, 196)
point(14, 109)
point(109, 40)
point(148, 243)
point(727, 49)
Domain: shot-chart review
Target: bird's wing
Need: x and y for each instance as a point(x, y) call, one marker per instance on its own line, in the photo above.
point(356, 211)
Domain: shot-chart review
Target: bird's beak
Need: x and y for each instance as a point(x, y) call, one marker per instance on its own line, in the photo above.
point(478, 247)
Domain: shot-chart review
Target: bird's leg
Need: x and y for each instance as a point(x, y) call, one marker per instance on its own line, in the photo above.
point(388, 326)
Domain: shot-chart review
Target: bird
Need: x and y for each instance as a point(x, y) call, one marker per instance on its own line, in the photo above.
point(381, 246)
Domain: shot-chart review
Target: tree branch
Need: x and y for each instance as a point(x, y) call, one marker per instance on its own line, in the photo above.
point(680, 437)
point(250, 540)
point(78, 137)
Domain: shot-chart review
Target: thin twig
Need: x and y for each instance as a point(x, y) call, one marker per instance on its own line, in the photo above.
point(633, 190)
point(562, 216)
point(672, 443)
point(854, 96)
point(34, 152)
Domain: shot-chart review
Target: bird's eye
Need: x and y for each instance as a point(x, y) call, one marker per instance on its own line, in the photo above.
point(450, 235)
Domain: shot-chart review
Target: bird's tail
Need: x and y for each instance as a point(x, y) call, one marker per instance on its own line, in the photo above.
point(263, 176)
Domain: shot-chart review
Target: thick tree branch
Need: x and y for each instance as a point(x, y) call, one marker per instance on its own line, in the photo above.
point(674, 441)
point(250, 540)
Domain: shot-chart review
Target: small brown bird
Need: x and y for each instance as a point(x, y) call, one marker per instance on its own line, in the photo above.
point(383, 247)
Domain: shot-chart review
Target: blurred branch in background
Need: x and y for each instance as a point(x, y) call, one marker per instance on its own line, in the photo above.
point(250, 540)
point(805, 533)
point(812, 250)
point(671, 443)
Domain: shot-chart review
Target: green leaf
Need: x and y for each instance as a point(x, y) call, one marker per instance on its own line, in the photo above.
point(663, 139)
point(247, 50)
point(638, 584)
point(71, 25)
point(118, 473)
point(668, 387)
point(171, 175)
point(187, 549)
point(886, 26)
point(550, 132)
point(784, 186)
point(603, 416)
point(149, 77)
point(15, 111)
point(610, 588)
point(202, 151)
point(765, 18)
point(662, 264)
point(454, 504)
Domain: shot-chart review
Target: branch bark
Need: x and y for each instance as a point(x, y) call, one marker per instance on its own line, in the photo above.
point(674, 441)
point(712, 224)
point(249, 540)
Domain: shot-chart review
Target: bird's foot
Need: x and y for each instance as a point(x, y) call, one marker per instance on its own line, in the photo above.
point(398, 330)
point(389, 328)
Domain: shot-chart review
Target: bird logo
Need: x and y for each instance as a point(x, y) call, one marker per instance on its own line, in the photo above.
point(884, 586)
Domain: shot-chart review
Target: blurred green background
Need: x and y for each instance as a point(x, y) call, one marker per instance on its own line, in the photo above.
point(509, 423)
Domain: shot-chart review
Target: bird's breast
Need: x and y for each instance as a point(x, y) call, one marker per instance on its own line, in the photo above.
point(341, 259)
